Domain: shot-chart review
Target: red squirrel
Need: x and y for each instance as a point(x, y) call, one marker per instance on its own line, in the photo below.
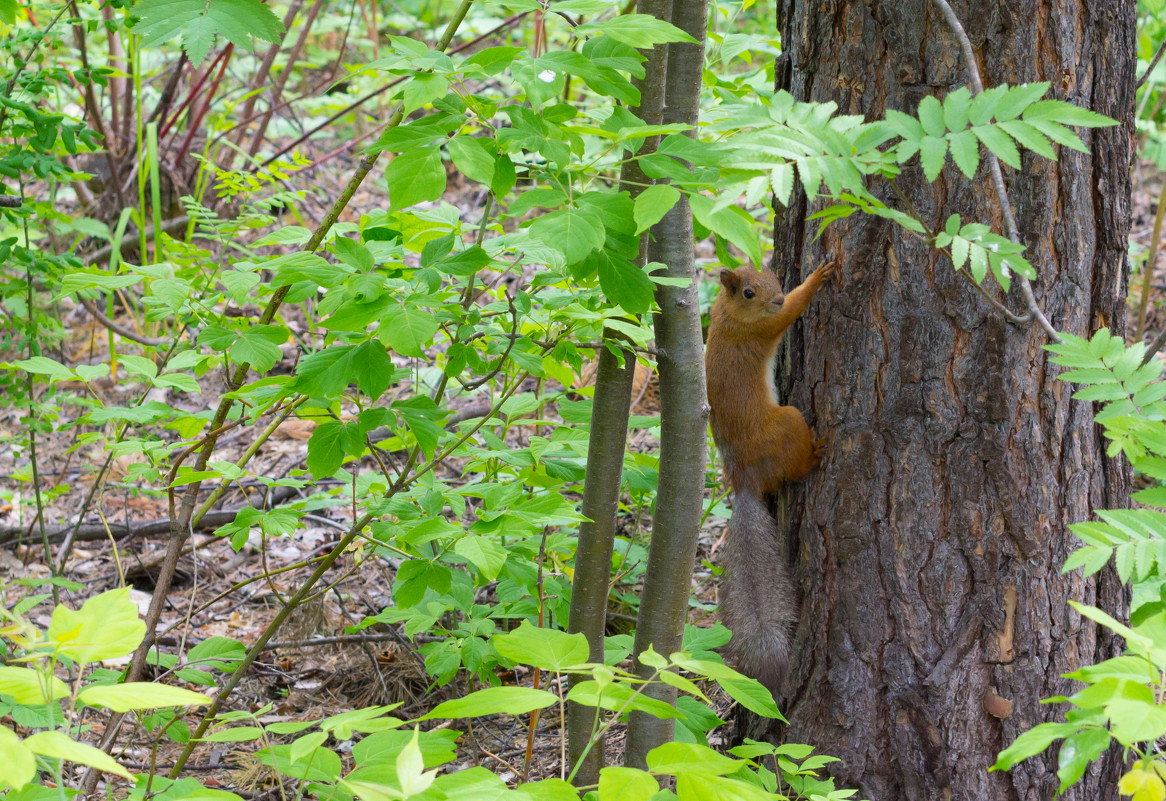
point(762, 445)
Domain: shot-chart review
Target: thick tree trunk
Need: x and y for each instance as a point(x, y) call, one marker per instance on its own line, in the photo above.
point(929, 542)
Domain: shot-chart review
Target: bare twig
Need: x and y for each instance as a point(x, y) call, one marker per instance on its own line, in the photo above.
point(1153, 63)
point(118, 328)
point(10, 201)
point(994, 166)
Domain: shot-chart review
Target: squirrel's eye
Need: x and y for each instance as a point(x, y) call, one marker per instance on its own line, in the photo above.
point(748, 293)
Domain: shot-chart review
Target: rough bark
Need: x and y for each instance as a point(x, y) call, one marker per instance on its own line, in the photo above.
point(930, 540)
point(683, 406)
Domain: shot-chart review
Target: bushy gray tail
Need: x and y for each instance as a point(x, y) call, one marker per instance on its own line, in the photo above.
point(758, 602)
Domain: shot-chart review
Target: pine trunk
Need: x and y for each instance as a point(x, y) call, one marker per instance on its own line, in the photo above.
point(929, 542)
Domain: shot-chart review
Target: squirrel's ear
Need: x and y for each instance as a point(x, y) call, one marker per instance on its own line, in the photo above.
point(730, 281)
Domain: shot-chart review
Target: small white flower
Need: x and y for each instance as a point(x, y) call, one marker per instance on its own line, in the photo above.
point(546, 76)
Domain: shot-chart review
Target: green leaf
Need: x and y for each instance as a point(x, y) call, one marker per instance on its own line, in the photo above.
point(732, 223)
point(965, 152)
point(200, 22)
point(1133, 721)
point(493, 701)
point(1032, 742)
point(999, 143)
point(326, 449)
point(258, 346)
point(473, 158)
point(623, 282)
point(1019, 98)
point(106, 626)
point(1059, 134)
point(139, 695)
point(31, 687)
point(932, 155)
point(485, 554)
point(574, 232)
point(19, 762)
point(492, 60)
point(677, 758)
point(373, 367)
point(407, 331)
point(955, 109)
point(636, 30)
point(56, 745)
point(1077, 752)
point(931, 117)
point(653, 203)
point(1029, 137)
point(1064, 113)
point(626, 784)
point(548, 649)
point(415, 176)
point(42, 365)
point(905, 125)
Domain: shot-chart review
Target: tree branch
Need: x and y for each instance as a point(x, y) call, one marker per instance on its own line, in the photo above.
point(994, 165)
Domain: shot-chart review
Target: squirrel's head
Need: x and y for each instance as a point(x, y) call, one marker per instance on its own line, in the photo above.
point(751, 294)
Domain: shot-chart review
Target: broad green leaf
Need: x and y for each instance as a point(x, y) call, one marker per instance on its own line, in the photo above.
point(626, 784)
point(238, 734)
point(482, 552)
point(139, 695)
point(106, 626)
point(258, 346)
point(732, 223)
point(56, 745)
point(411, 774)
point(42, 365)
point(623, 282)
point(1032, 742)
point(327, 448)
point(415, 176)
point(548, 649)
point(493, 701)
point(31, 687)
point(705, 787)
point(574, 232)
point(1134, 721)
point(652, 204)
point(678, 758)
point(472, 158)
point(407, 331)
point(1077, 751)
point(636, 30)
point(18, 761)
point(200, 23)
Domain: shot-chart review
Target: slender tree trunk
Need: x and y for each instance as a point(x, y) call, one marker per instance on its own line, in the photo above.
point(605, 450)
point(930, 540)
point(607, 442)
point(683, 405)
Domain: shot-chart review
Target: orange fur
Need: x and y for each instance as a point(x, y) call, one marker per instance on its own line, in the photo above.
point(763, 444)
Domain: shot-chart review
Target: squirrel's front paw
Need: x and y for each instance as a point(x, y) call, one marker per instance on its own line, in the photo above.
point(826, 270)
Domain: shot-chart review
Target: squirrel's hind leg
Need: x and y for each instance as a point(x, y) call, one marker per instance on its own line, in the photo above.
point(788, 451)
